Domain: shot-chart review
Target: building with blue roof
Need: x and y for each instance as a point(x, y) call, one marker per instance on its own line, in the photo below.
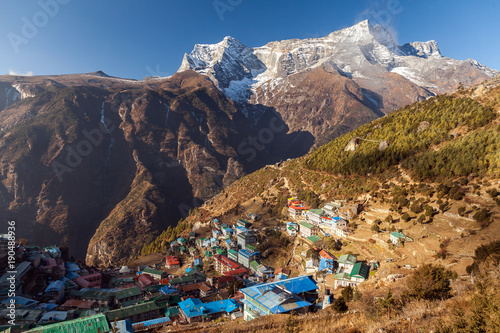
point(55, 290)
point(122, 326)
point(326, 265)
point(295, 294)
point(245, 257)
point(227, 231)
point(47, 306)
point(240, 230)
point(20, 302)
point(214, 242)
point(71, 267)
point(198, 263)
point(167, 290)
point(151, 324)
point(193, 309)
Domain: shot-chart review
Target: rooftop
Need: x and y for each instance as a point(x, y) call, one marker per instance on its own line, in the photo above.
point(347, 259)
point(152, 271)
point(132, 310)
point(227, 262)
point(307, 225)
point(54, 286)
point(294, 285)
point(280, 296)
point(313, 239)
point(86, 324)
point(360, 270)
point(193, 307)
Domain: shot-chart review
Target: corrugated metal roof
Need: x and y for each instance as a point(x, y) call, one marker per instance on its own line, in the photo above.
point(307, 225)
point(132, 310)
point(54, 286)
point(276, 297)
point(23, 301)
point(153, 321)
point(360, 270)
point(313, 239)
point(347, 258)
point(93, 324)
point(193, 307)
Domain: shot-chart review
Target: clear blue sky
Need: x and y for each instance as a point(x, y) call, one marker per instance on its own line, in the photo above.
point(136, 38)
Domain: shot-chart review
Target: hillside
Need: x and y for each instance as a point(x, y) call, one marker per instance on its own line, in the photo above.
point(437, 181)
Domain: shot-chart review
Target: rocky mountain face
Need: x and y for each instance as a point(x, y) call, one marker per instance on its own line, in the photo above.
point(96, 162)
point(328, 86)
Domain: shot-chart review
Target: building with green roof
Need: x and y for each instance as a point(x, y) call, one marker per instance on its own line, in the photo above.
point(105, 297)
point(307, 229)
point(347, 259)
point(232, 254)
point(156, 274)
point(360, 271)
point(93, 324)
point(398, 237)
point(253, 265)
point(191, 277)
point(172, 312)
point(250, 247)
point(243, 223)
point(313, 239)
point(350, 275)
point(128, 294)
point(136, 313)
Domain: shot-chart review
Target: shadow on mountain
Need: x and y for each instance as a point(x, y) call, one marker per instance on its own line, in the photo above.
point(374, 101)
point(270, 141)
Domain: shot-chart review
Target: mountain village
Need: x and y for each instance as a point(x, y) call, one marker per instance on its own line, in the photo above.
point(203, 278)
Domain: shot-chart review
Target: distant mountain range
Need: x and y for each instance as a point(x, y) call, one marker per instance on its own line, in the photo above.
point(328, 86)
point(102, 164)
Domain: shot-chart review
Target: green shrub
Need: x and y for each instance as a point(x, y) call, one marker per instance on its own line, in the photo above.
point(430, 282)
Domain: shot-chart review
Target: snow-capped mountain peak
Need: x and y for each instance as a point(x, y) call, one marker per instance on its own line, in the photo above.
point(385, 38)
point(223, 62)
point(422, 49)
point(363, 53)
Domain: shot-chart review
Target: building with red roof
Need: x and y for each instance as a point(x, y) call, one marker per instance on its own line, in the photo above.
point(237, 272)
point(72, 304)
point(220, 282)
point(296, 208)
point(172, 262)
point(326, 255)
point(146, 280)
point(223, 264)
point(89, 280)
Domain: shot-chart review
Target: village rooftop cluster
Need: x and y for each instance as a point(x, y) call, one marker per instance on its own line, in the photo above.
point(222, 276)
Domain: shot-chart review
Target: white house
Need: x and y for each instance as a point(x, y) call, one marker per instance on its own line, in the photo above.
point(311, 266)
point(307, 229)
point(314, 215)
point(396, 236)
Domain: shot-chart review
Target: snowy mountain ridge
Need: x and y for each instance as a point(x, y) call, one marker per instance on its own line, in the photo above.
point(362, 51)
